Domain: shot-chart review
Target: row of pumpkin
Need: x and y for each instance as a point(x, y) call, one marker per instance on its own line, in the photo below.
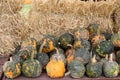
point(87, 51)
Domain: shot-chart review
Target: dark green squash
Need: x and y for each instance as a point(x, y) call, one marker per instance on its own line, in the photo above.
point(81, 43)
point(105, 47)
point(65, 39)
point(83, 55)
point(76, 69)
point(31, 68)
point(12, 69)
point(93, 69)
point(81, 33)
point(115, 39)
point(111, 68)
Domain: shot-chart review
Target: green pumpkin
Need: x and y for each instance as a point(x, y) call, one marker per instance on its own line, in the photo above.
point(31, 68)
point(115, 39)
point(27, 53)
point(105, 47)
point(93, 69)
point(65, 39)
point(81, 43)
point(81, 33)
point(76, 68)
point(111, 68)
point(118, 57)
point(83, 55)
point(12, 69)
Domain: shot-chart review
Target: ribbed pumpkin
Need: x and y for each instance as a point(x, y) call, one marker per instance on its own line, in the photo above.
point(111, 68)
point(65, 39)
point(81, 43)
point(49, 42)
point(76, 69)
point(27, 52)
point(81, 33)
point(93, 69)
point(55, 68)
point(105, 47)
point(115, 39)
point(31, 68)
point(12, 69)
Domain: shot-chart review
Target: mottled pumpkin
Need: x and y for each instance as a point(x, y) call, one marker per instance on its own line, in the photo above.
point(27, 52)
point(93, 69)
point(105, 47)
point(115, 39)
point(111, 68)
point(65, 39)
point(76, 68)
point(83, 55)
point(12, 69)
point(81, 43)
point(31, 68)
point(55, 68)
point(81, 33)
point(29, 42)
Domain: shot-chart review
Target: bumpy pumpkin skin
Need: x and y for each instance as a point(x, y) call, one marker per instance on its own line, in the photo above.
point(26, 53)
point(43, 59)
point(115, 39)
point(12, 69)
point(31, 68)
point(55, 69)
point(105, 47)
point(93, 70)
point(111, 69)
point(65, 39)
point(81, 33)
point(83, 55)
point(77, 69)
point(81, 43)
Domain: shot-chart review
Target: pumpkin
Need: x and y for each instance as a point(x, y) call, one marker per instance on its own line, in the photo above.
point(31, 68)
point(97, 39)
point(27, 53)
point(12, 69)
point(93, 29)
point(105, 47)
point(93, 69)
point(49, 43)
point(107, 35)
point(115, 39)
point(111, 68)
point(83, 55)
point(29, 42)
point(81, 33)
point(65, 39)
point(55, 68)
point(58, 56)
point(76, 68)
point(103, 60)
point(118, 57)
point(81, 43)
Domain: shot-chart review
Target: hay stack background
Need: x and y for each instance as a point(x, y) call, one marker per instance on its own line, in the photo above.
point(50, 17)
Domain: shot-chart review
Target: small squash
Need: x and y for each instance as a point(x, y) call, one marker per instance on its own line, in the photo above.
point(111, 68)
point(65, 39)
point(31, 68)
point(55, 68)
point(115, 39)
point(76, 69)
point(93, 69)
point(12, 69)
point(105, 47)
point(81, 33)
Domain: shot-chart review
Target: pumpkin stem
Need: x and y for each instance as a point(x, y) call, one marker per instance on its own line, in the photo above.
point(67, 73)
point(111, 57)
point(106, 56)
point(11, 59)
point(43, 44)
point(93, 60)
point(57, 50)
